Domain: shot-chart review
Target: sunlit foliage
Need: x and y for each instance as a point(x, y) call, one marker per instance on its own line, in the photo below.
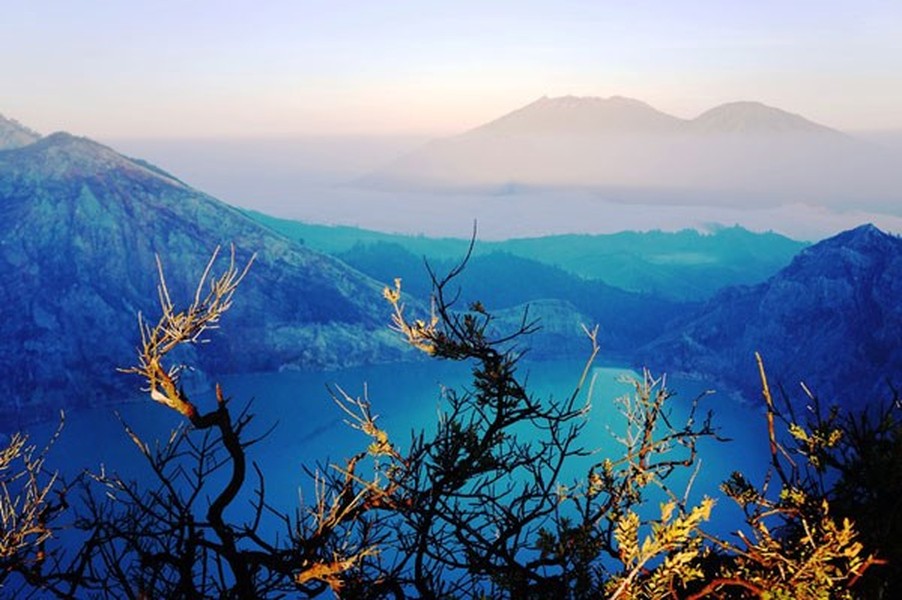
point(484, 503)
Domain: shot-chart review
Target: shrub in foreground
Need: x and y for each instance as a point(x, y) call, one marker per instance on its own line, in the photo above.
point(480, 505)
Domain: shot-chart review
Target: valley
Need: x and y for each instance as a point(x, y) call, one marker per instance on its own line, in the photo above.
point(88, 236)
point(83, 224)
point(501, 300)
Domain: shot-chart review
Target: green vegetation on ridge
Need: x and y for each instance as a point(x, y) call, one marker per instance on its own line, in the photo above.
point(683, 265)
point(508, 281)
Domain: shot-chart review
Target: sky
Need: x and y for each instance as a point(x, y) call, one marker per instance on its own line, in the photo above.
point(202, 68)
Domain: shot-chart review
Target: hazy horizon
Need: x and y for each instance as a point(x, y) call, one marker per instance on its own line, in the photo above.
point(171, 69)
point(282, 107)
point(306, 179)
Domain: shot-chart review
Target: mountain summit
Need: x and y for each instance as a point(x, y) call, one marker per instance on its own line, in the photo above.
point(80, 226)
point(62, 155)
point(617, 115)
point(582, 116)
point(832, 318)
point(754, 118)
point(621, 148)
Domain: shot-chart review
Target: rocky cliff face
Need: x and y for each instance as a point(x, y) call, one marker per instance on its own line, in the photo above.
point(832, 318)
point(80, 226)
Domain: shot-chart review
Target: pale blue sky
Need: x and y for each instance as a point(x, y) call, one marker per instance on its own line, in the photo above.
point(168, 68)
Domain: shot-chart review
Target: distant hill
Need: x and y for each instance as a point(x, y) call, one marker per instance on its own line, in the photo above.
point(755, 118)
point(832, 318)
point(503, 281)
point(683, 265)
point(593, 117)
point(79, 228)
point(625, 150)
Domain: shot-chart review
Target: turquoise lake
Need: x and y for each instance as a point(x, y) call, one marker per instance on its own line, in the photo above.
point(308, 429)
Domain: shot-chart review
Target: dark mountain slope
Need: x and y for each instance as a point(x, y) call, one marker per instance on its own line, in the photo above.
point(832, 318)
point(80, 226)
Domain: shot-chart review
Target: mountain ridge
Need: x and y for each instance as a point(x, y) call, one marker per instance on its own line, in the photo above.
point(63, 154)
point(681, 265)
point(831, 318)
point(583, 116)
point(623, 150)
point(620, 114)
point(80, 229)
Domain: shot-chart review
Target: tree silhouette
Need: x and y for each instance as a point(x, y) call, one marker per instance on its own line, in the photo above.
point(503, 497)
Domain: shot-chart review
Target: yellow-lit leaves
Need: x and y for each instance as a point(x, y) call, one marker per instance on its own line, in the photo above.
point(792, 497)
point(24, 504)
point(815, 444)
point(419, 334)
point(674, 540)
point(821, 564)
point(627, 536)
point(362, 419)
point(393, 295)
point(332, 572)
point(380, 445)
point(183, 326)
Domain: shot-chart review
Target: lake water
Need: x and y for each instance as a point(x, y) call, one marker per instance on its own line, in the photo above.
point(308, 427)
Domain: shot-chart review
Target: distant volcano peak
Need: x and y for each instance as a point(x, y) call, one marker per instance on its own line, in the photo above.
point(746, 116)
point(730, 155)
point(573, 101)
point(583, 115)
point(591, 115)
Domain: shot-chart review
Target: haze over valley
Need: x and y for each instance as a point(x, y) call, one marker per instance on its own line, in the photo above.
point(502, 300)
point(606, 165)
